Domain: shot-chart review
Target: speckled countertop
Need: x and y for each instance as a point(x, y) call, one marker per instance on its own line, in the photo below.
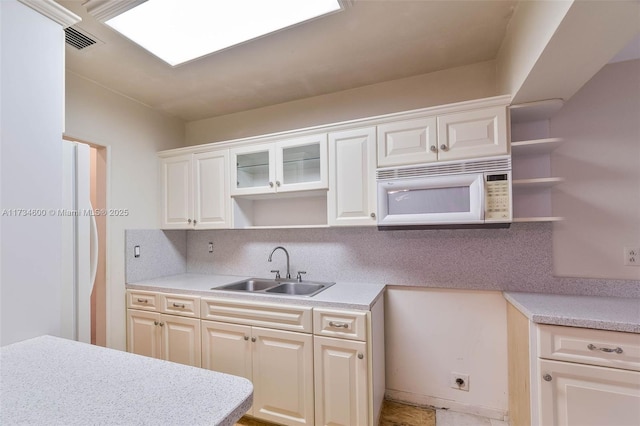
point(343, 295)
point(54, 381)
point(604, 313)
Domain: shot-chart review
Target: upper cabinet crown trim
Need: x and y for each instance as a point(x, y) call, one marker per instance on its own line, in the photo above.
point(53, 11)
point(502, 100)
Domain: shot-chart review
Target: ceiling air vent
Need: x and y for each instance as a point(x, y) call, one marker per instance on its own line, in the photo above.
point(78, 39)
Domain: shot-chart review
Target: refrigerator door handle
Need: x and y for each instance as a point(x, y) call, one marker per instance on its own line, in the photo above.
point(93, 266)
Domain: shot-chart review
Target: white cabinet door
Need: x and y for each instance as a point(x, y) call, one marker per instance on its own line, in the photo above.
point(407, 142)
point(301, 163)
point(143, 336)
point(181, 339)
point(283, 376)
point(177, 204)
point(582, 395)
point(226, 348)
point(341, 390)
point(471, 134)
point(253, 169)
point(352, 185)
point(211, 190)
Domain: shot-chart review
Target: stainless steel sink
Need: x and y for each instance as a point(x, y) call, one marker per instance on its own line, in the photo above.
point(297, 289)
point(253, 284)
point(277, 287)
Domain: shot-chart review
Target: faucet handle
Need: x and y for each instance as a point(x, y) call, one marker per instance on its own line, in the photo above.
point(299, 277)
point(277, 272)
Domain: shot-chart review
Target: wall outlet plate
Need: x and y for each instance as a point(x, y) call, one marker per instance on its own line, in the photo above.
point(459, 381)
point(632, 256)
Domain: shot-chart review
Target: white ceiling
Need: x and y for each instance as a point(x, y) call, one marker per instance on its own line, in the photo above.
point(369, 42)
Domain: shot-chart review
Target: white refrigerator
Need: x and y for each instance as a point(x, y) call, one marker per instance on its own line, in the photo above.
point(80, 243)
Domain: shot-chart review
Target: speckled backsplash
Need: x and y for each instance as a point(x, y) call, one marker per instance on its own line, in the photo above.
point(514, 259)
point(162, 253)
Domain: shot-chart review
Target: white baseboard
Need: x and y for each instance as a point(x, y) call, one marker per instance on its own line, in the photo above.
point(423, 400)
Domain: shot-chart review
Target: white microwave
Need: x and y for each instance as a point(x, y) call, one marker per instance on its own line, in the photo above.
point(454, 194)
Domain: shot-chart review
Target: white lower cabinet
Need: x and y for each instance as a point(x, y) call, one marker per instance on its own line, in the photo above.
point(583, 395)
point(341, 369)
point(279, 363)
point(162, 336)
point(164, 326)
point(308, 366)
point(571, 376)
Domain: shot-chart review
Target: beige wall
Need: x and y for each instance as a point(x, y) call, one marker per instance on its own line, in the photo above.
point(437, 88)
point(133, 133)
point(600, 160)
point(421, 353)
point(530, 29)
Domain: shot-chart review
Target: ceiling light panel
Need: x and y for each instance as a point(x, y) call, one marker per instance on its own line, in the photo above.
point(178, 31)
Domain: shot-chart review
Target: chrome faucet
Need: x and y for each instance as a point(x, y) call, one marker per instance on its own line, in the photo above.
point(285, 252)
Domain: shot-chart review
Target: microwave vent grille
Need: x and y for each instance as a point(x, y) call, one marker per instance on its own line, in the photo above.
point(454, 168)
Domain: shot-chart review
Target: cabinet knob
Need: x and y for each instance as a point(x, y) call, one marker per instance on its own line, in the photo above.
point(155, 323)
point(253, 339)
point(360, 356)
point(277, 183)
point(189, 220)
point(194, 222)
point(270, 184)
point(246, 337)
point(433, 148)
point(373, 215)
point(443, 147)
point(547, 377)
point(161, 324)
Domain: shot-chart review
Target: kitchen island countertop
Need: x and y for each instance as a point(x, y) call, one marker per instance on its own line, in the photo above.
point(54, 381)
point(345, 295)
point(603, 313)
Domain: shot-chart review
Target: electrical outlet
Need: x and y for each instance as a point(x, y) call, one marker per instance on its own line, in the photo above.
point(632, 256)
point(459, 381)
point(210, 247)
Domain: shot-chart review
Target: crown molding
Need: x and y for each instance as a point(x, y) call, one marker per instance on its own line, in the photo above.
point(103, 10)
point(53, 11)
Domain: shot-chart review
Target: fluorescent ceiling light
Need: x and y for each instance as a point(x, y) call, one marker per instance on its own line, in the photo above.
point(178, 31)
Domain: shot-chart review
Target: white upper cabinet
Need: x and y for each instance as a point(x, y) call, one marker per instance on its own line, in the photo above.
point(352, 184)
point(298, 164)
point(195, 191)
point(470, 134)
point(177, 205)
point(407, 142)
point(480, 132)
point(211, 190)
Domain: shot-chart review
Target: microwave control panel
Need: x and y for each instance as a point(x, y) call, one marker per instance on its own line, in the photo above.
point(497, 197)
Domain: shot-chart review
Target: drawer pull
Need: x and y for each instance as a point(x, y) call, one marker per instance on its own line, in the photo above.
point(593, 347)
point(178, 305)
point(338, 324)
point(547, 377)
point(142, 300)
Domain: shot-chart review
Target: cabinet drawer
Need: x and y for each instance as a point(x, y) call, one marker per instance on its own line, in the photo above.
point(183, 305)
point(270, 315)
point(145, 300)
point(339, 323)
point(587, 346)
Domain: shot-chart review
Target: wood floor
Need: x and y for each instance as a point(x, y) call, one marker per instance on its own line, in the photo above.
point(393, 414)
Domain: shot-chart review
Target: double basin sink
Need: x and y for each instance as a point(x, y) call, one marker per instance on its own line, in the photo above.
point(277, 287)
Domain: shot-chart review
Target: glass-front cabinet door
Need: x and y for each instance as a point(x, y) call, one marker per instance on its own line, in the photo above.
point(298, 164)
point(253, 170)
point(301, 164)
